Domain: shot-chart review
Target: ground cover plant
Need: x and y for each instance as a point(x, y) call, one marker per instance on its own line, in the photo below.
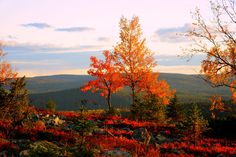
point(48, 133)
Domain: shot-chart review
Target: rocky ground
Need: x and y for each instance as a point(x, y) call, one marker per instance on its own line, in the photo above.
point(52, 134)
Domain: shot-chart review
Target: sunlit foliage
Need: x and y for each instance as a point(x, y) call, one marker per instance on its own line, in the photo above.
point(107, 77)
point(6, 71)
point(132, 54)
point(216, 38)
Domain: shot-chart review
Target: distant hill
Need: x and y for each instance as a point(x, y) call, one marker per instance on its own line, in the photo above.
point(71, 99)
point(64, 90)
point(44, 84)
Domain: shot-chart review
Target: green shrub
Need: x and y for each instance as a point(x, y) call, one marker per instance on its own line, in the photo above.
point(51, 105)
point(14, 100)
point(112, 112)
point(149, 108)
point(196, 123)
point(85, 127)
point(176, 111)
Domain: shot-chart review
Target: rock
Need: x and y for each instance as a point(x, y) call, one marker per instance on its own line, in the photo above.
point(4, 140)
point(4, 153)
point(117, 153)
point(99, 131)
point(142, 135)
point(221, 155)
point(44, 148)
point(58, 121)
point(162, 139)
point(24, 153)
point(100, 121)
point(126, 129)
point(62, 117)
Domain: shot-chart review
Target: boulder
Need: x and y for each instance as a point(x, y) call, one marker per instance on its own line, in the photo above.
point(142, 135)
point(117, 153)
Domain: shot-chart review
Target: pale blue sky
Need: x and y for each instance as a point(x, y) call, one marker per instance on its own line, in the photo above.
point(58, 36)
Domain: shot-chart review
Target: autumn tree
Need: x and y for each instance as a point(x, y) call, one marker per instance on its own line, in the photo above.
point(216, 38)
point(6, 76)
point(107, 77)
point(216, 105)
point(130, 65)
point(151, 86)
point(13, 94)
point(6, 72)
point(132, 55)
point(18, 99)
point(154, 96)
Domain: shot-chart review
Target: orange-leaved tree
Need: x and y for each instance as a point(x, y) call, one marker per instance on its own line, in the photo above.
point(152, 96)
point(107, 77)
point(13, 95)
point(216, 105)
point(158, 88)
point(132, 55)
point(216, 38)
point(6, 72)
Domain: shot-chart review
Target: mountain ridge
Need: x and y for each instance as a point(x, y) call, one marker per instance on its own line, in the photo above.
point(65, 90)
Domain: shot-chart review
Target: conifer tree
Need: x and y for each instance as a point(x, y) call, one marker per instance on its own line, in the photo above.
point(51, 105)
point(196, 123)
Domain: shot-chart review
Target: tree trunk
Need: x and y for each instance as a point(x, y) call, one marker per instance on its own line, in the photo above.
point(133, 102)
point(133, 95)
point(109, 100)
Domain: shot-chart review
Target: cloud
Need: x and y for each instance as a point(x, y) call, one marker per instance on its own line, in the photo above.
point(34, 73)
point(38, 25)
point(105, 39)
point(174, 60)
point(174, 34)
point(89, 47)
point(14, 47)
point(11, 37)
point(75, 29)
point(32, 48)
point(44, 59)
point(31, 63)
point(182, 69)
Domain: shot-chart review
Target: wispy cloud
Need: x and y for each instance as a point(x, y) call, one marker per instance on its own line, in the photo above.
point(174, 34)
point(32, 48)
point(75, 29)
point(33, 73)
point(183, 69)
point(38, 25)
point(11, 37)
point(89, 47)
point(103, 39)
point(174, 60)
point(38, 59)
point(44, 62)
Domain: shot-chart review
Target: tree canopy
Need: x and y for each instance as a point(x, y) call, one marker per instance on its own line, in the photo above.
point(216, 38)
point(6, 71)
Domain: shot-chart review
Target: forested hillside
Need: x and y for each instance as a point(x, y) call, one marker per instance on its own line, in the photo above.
point(65, 91)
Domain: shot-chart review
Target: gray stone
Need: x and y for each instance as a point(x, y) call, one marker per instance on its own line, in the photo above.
point(117, 152)
point(141, 135)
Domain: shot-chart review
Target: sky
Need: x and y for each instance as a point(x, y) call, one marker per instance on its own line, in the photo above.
point(50, 37)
